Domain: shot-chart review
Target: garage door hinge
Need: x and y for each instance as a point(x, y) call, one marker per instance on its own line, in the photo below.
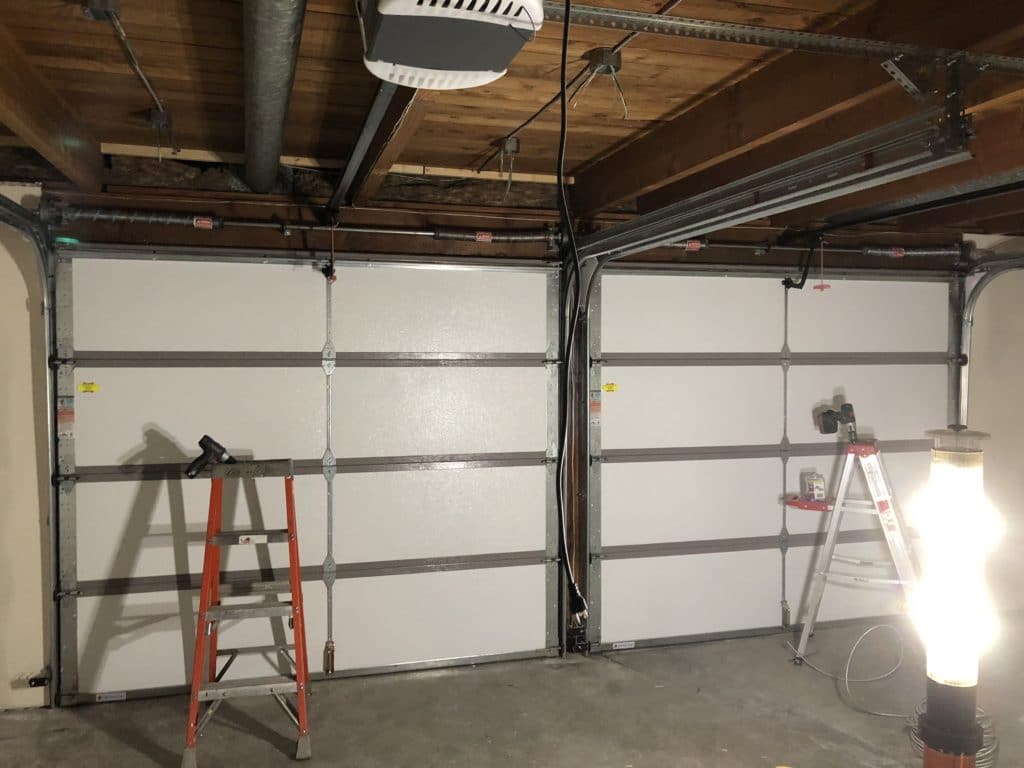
point(784, 540)
point(785, 447)
point(328, 358)
point(330, 571)
point(329, 464)
point(63, 593)
point(57, 362)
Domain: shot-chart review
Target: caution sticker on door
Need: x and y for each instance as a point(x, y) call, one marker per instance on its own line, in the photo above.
point(611, 386)
point(88, 387)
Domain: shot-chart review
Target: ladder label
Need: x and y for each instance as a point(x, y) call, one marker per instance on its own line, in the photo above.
point(876, 482)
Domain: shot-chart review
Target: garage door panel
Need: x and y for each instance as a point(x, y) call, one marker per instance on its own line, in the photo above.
point(689, 500)
point(432, 616)
point(845, 601)
point(893, 402)
point(673, 313)
point(120, 636)
point(158, 527)
point(689, 595)
point(683, 406)
point(431, 310)
point(149, 415)
point(176, 306)
point(396, 515)
point(907, 473)
point(416, 411)
point(870, 316)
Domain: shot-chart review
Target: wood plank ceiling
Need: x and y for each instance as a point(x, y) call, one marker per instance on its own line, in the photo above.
point(192, 52)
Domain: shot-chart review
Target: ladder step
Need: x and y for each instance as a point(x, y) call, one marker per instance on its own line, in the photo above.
point(254, 588)
point(257, 686)
point(225, 612)
point(254, 649)
point(850, 578)
point(236, 538)
point(860, 563)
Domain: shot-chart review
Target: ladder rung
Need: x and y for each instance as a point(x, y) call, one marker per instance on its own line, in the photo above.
point(257, 686)
point(255, 587)
point(859, 508)
point(850, 578)
point(236, 538)
point(225, 612)
point(860, 563)
point(254, 649)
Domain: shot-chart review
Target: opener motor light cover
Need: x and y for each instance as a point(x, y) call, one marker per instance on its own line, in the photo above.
point(445, 44)
point(951, 606)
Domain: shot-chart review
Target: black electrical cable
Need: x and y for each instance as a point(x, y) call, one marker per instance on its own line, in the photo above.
point(805, 268)
point(577, 603)
point(663, 11)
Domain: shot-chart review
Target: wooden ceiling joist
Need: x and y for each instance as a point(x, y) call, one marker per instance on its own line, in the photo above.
point(400, 124)
point(38, 115)
point(383, 120)
point(796, 91)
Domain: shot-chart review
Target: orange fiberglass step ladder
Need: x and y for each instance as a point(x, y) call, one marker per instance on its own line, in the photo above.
point(214, 689)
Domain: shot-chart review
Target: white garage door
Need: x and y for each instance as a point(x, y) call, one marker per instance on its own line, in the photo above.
point(442, 519)
point(704, 389)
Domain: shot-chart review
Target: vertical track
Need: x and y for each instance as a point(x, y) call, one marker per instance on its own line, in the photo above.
point(66, 522)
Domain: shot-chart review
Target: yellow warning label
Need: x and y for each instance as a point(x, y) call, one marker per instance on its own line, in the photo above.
point(610, 387)
point(88, 387)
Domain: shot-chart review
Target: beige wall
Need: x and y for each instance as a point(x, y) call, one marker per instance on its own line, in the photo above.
point(997, 406)
point(23, 467)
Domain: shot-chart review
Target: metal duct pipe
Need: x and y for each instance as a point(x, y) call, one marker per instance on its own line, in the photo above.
point(272, 30)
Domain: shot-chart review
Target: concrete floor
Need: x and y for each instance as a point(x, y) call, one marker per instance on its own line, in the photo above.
point(732, 704)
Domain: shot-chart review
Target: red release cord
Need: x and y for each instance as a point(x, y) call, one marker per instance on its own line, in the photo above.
point(822, 285)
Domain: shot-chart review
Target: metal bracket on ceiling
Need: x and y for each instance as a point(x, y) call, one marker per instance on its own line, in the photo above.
point(100, 10)
point(916, 77)
point(957, 128)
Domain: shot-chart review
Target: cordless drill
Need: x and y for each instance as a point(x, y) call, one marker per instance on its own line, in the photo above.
point(213, 453)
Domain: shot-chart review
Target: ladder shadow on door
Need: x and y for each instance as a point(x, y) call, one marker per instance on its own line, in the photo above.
point(116, 624)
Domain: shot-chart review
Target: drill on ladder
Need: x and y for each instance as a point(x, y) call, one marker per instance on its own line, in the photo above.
point(866, 455)
point(214, 689)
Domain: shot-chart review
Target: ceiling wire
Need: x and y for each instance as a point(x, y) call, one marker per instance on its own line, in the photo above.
point(159, 117)
point(666, 9)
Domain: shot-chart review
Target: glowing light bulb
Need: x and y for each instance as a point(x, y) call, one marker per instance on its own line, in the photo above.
point(959, 527)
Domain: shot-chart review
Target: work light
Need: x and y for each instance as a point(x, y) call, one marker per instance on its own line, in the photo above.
point(951, 606)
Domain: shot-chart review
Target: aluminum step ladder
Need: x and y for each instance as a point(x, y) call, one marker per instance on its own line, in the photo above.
point(866, 455)
point(214, 689)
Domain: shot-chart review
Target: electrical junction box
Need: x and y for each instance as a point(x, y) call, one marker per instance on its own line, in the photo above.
point(445, 44)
